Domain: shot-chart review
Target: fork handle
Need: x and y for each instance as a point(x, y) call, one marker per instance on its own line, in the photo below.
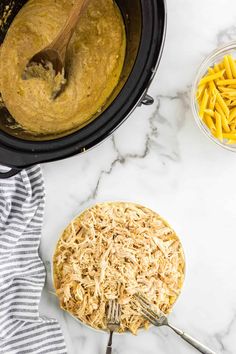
point(194, 342)
point(109, 345)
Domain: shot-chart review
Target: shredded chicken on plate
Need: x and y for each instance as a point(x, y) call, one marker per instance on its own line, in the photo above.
point(112, 251)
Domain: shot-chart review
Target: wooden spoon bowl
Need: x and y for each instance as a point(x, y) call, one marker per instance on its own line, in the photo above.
point(55, 52)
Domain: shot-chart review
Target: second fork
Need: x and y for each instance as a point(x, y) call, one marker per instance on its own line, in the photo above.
point(162, 320)
point(113, 321)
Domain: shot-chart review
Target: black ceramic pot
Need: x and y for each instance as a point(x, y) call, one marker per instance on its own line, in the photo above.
point(145, 22)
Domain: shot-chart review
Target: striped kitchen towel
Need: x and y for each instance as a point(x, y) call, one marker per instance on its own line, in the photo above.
point(22, 273)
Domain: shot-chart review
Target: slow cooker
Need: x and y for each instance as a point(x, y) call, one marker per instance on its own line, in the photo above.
point(145, 22)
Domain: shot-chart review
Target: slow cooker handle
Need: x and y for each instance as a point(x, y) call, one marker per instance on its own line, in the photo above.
point(147, 100)
point(8, 174)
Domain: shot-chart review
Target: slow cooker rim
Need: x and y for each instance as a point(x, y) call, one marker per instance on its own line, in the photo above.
point(32, 152)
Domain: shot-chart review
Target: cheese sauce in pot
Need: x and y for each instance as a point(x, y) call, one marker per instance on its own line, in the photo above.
point(95, 59)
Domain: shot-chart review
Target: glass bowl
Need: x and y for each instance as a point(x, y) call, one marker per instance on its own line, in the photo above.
point(213, 58)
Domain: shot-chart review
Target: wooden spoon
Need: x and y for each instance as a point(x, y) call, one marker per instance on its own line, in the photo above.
point(55, 52)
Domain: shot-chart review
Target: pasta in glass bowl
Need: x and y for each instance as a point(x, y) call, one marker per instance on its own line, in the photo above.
point(113, 251)
point(213, 96)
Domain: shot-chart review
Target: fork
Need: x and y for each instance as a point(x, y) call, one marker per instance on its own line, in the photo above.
point(161, 320)
point(113, 321)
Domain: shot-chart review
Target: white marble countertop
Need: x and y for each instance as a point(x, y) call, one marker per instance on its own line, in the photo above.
point(161, 159)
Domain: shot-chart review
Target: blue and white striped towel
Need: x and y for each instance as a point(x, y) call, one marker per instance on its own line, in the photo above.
point(22, 274)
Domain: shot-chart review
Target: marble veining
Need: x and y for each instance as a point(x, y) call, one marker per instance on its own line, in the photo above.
point(160, 158)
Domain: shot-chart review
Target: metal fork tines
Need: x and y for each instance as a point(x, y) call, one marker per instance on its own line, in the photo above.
point(157, 319)
point(113, 321)
point(160, 319)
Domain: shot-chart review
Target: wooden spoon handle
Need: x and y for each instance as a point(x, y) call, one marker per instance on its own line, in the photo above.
point(62, 40)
